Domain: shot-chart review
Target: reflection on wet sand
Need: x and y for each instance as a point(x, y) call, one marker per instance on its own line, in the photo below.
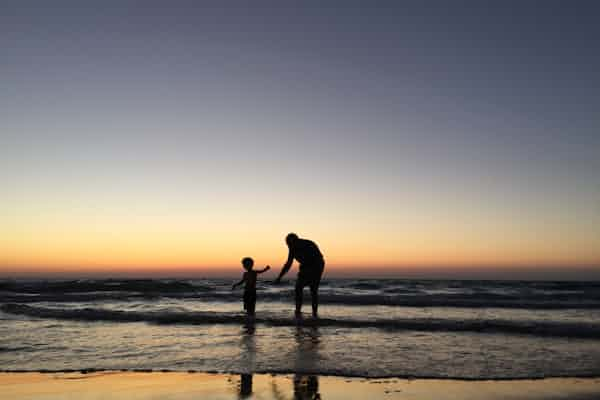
point(194, 386)
point(249, 353)
point(245, 385)
point(308, 340)
point(306, 387)
point(305, 383)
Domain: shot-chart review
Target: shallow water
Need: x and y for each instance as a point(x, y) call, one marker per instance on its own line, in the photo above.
point(182, 330)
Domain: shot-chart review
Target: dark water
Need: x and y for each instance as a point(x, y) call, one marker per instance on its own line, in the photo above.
point(461, 329)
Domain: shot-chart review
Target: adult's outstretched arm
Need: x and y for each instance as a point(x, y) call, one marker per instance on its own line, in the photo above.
point(286, 266)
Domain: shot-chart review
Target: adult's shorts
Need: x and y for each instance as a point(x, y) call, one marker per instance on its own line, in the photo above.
point(310, 274)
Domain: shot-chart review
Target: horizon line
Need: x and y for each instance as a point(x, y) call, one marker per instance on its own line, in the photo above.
point(512, 272)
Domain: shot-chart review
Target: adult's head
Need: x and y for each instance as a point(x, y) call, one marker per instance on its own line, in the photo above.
point(291, 238)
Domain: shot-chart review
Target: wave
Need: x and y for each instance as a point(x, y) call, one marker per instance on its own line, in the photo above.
point(537, 328)
point(321, 372)
point(14, 349)
point(109, 285)
point(489, 300)
point(372, 292)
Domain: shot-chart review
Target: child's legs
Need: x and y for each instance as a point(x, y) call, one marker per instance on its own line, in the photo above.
point(251, 307)
point(250, 302)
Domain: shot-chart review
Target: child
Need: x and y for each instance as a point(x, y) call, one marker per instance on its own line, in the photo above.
point(249, 278)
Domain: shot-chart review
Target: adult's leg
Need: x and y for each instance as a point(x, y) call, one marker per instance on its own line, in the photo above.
point(314, 297)
point(299, 290)
point(314, 289)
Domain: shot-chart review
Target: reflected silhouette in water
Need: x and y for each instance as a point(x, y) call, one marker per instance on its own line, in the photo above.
point(248, 330)
point(306, 385)
point(245, 385)
point(305, 382)
point(249, 348)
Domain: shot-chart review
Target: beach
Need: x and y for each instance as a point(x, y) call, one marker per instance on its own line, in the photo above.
point(183, 386)
point(375, 338)
point(308, 200)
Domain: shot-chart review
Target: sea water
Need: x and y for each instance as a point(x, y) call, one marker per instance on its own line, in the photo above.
point(367, 328)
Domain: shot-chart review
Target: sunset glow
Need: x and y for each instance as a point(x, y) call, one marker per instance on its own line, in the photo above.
point(156, 147)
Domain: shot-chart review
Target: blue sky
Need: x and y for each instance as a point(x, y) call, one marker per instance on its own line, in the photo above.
point(424, 131)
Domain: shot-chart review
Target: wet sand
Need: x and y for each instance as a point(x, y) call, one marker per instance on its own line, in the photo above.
point(179, 386)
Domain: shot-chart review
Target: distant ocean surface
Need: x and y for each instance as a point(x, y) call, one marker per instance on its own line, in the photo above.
point(368, 328)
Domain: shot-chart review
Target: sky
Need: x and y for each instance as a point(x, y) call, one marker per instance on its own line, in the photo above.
point(423, 138)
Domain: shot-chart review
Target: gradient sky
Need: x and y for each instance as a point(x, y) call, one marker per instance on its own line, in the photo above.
point(424, 138)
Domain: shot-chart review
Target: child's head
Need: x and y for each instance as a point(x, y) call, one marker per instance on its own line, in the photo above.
point(248, 263)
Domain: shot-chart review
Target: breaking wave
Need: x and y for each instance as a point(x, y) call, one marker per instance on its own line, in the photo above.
point(537, 328)
point(548, 302)
point(360, 292)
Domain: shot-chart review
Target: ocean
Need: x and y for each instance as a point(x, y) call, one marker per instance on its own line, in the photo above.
point(367, 328)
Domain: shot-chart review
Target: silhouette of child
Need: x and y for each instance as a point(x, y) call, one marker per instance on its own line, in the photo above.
point(249, 278)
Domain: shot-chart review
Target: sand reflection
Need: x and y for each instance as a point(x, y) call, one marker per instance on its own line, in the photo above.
point(306, 383)
point(248, 358)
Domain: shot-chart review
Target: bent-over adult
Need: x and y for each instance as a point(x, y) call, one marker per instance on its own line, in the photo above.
point(310, 270)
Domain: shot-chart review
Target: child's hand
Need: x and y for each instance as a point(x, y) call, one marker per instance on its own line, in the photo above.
point(268, 267)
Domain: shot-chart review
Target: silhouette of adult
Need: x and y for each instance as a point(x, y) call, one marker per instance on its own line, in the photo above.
point(310, 270)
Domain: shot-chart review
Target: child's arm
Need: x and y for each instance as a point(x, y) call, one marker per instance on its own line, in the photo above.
point(265, 269)
point(239, 283)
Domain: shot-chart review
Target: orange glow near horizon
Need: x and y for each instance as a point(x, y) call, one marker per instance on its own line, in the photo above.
point(158, 234)
point(161, 248)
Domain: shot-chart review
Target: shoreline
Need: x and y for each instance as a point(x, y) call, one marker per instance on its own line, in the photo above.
point(186, 385)
point(90, 371)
